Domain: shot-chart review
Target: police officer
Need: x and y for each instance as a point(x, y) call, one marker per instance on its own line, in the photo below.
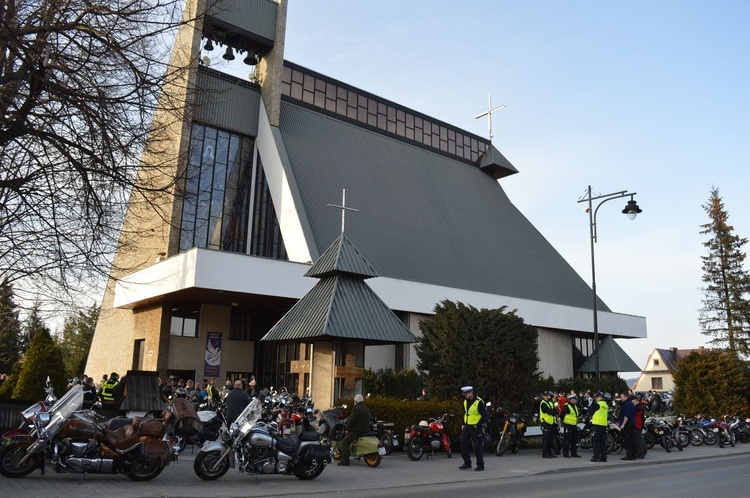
point(475, 415)
point(547, 414)
point(599, 411)
point(569, 415)
point(107, 393)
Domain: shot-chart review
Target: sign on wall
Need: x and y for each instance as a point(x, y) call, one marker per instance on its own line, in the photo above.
point(213, 354)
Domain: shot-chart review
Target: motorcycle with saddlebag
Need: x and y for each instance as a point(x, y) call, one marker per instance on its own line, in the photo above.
point(75, 442)
point(258, 448)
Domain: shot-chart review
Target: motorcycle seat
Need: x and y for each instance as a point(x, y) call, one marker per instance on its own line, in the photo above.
point(289, 443)
point(368, 434)
point(124, 437)
point(309, 436)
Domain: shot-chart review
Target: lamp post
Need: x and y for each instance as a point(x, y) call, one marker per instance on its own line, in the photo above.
point(632, 210)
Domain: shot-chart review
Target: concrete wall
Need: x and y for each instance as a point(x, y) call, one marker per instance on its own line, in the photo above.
point(555, 353)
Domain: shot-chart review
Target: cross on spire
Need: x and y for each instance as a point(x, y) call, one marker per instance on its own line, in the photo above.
point(488, 113)
point(343, 209)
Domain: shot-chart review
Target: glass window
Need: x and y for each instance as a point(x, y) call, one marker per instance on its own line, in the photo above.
point(184, 322)
point(656, 383)
point(656, 362)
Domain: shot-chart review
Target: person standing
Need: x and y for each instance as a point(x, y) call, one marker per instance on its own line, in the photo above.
point(599, 419)
point(475, 416)
point(237, 399)
point(569, 416)
point(547, 412)
point(640, 444)
point(107, 394)
point(357, 424)
point(626, 421)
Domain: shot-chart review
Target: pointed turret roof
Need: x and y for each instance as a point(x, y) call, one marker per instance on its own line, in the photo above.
point(342, 257)
point(612, 358)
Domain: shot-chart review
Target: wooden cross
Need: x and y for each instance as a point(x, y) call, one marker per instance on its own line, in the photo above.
point(300, 367)
point(350, 372)
point(343, 209)
point(488, 113)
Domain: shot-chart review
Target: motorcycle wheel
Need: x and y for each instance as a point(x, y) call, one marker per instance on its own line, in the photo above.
point(415, 450)
point(586, 442)
point(310, 472)
point(611, 444)
point(387, 441)
point(665, 443)
point(743, 436)
point(204, 463)
point(502, 445)
point(144, 472)
point(178, 443)
point(682, 438)
point(676, 442)
point(720, 440)
point(732, 438)
point(709, 437)
point(9, 459)
point(372, 459)
point(650, 440)
point(696, 437)
point(447, 444)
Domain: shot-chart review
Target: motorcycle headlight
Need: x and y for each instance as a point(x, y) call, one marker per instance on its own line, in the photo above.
point(42, 418)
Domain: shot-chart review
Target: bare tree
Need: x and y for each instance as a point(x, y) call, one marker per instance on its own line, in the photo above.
point(80, 82)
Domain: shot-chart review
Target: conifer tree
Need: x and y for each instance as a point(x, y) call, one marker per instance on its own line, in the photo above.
point(493, 350)
point(725, 312)
point(10, 329)
point(43, 359)
point(715, 382)
point(76, 339)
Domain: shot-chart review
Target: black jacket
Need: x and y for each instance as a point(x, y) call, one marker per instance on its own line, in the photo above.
point(359, 419)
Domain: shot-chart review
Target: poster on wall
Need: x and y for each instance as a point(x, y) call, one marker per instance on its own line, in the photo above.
point(213, 354)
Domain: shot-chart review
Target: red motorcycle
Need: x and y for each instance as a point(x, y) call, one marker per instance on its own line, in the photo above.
point(428, 436)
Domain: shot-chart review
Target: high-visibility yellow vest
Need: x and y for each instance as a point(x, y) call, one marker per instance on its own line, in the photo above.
point(600, 416)
point(571, 418)
point(472, 415)
point(108, 395)
point(546, 417)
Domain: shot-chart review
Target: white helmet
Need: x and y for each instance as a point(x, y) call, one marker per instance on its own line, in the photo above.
point(423, 423)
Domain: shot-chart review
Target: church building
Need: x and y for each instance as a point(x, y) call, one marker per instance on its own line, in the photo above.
point(212, 263)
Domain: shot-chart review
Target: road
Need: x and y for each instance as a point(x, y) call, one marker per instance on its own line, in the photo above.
point(706, 471)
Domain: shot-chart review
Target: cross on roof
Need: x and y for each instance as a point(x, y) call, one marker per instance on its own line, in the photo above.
point(343, 209)
point(488, 113)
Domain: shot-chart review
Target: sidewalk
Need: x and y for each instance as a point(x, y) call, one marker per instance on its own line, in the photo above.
point(396, 472)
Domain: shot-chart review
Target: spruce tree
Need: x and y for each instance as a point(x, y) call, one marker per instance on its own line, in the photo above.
point(10, 329)
point(78, 331)
point(712, 383)
point(724, 316)
point(43, 359)
point(493, 350)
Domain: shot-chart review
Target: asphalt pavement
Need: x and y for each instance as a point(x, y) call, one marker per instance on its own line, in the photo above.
point(396, 473)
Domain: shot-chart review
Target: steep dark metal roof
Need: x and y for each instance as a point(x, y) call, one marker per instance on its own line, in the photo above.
point(422, 216)
point(341, 307)
point(612, 358)
point(341, 258)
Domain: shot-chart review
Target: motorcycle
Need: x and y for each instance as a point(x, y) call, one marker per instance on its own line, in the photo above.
point(511, 434)
point(384, 431)
point(659, 432)
point(256, 447)
point(428, 436)
point(29, 413)
point(186, 425)
point(367, 446)
point(75, 442)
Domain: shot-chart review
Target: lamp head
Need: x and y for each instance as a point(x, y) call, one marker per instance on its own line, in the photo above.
point(632, 209)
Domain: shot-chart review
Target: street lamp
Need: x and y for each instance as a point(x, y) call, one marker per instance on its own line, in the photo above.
point(631, 210)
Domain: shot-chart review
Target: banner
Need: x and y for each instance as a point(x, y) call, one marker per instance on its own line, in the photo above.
point(213, 354)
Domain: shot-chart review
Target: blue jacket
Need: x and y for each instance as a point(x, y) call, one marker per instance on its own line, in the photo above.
point(627, 410)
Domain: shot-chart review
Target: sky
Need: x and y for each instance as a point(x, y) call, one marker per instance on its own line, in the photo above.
point(648, 97)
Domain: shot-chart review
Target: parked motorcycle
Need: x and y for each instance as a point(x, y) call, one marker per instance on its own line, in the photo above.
point(659, 432)
point(255, 448)
point(384, 431)
point(75, 442)
point(29, 413)
point(428, 436)
point(511, 434)
point(186, 425)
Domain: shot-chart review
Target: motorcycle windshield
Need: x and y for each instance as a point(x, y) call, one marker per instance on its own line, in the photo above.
point(251, 413)
point(63, 410)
